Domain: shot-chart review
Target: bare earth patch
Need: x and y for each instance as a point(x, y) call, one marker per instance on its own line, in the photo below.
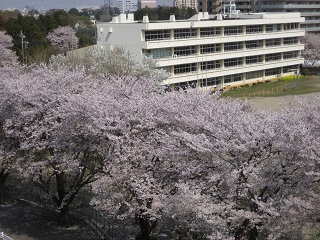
point(277, 103)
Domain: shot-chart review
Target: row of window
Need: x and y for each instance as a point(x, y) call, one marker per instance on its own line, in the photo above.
point(213, 48)
point(213, 81)
point(156, 35)
point(233, 62)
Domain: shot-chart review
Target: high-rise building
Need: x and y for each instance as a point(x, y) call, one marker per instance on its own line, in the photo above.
point(210, 50)
point(127, 6)
point(245, 6)
point(210, 6)
point(216, 6)
point(186, 3)
point(147, 3)
point(309, 9)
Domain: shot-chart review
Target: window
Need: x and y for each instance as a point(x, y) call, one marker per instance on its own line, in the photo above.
point(232, 62)
point(255, 74)
point(290, 40)
point(185, 68)
point(156, 35)
point(273, 42)
point(253, 59)
point(210, 65)
point(254, 29)
point(290, 26)
point(235, 30)
point(232, 78)
point(207, 82)
point(292, 68)
point(272, 57)
point(234, 46)
point(288, 55)
point(272, 71)
point(210, 48)
point(254, 44)
point(273, 27)
point(158, 53)
point(185, 33)
point(207, 32)
point(184, 51)
point(185, 85)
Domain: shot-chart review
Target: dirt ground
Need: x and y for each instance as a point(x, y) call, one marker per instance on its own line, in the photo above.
point(277, 103)
point(24, 221)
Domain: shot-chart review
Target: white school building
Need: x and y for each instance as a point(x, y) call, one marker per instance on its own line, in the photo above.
point(213, 50)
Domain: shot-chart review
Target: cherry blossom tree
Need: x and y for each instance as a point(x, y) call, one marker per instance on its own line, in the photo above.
point(9, 147)
point(212, 166)
point(68, 124)
point(186, 162)
point(63, 38)
point(110, 62)
point(311, 52)
point(62, 151)
point(258, 171)
point(303, 151)
point(8, 57)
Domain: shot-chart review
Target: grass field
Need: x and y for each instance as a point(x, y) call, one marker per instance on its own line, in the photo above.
point(297, 86)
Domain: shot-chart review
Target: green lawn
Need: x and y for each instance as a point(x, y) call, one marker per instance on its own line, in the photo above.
point(300, 85)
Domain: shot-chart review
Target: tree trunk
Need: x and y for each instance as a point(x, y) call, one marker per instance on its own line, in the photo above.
point(145, 229)
point(3, 177)
point(2, 186)
point(63, 219)
point(246, 232)
point(62, 203)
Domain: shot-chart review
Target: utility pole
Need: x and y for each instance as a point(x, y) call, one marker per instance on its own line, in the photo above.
point(24, 45)
point(22, 51)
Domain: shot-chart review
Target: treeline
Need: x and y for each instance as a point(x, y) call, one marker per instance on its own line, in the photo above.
point(164, 12)
point(36, 47)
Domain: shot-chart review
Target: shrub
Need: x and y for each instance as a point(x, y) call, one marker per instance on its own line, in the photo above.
point(287, 78)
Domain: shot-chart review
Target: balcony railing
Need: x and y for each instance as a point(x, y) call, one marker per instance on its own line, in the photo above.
point(291, 6)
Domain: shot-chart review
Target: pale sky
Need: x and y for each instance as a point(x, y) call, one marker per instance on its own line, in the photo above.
point(54, 4)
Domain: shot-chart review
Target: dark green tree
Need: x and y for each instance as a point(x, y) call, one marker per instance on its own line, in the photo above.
point(73, 11)
point(164, 12)
point(36, 47)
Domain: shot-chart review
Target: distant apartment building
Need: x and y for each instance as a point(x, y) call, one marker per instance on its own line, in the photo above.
point(210, 50)
point(127, 6)
point(210, 6)
point(216, 6)
point(309, 9)
point(186, 3)
point(245, 6)
point(147, 3)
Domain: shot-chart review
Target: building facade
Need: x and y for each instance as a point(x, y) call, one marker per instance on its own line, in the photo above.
point(127, 6)
point(245, 6)
point(147, 3)
point(210, 51)
point(309, 9)
point(216, 6)
point(186, 3)
point(210, 6)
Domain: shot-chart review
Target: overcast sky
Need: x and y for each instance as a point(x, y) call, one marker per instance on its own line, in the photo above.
point(54, 4)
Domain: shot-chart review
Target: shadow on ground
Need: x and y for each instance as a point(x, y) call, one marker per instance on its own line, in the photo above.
point(25, 221)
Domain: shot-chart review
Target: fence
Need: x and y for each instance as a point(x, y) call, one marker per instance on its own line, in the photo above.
point(106, 227)
point(272, 90)
point(4, 237)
